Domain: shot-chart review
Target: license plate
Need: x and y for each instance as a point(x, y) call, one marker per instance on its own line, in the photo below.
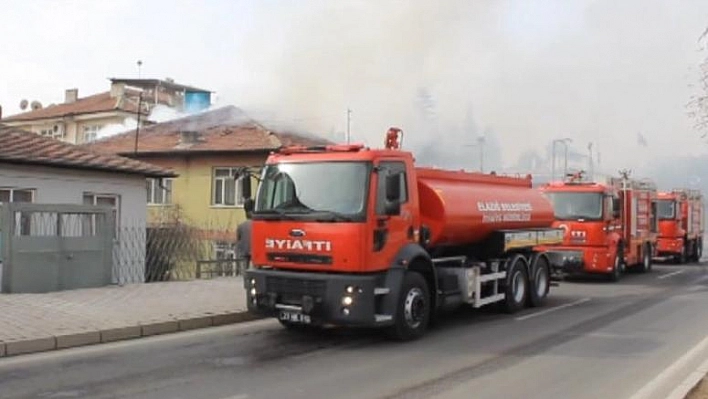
point(295, 317)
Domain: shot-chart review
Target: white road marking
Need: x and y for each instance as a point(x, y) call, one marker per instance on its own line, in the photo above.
point(241, 396)
point(567, 305)
point(671, 274)
point(663, 378)
point(691, 381)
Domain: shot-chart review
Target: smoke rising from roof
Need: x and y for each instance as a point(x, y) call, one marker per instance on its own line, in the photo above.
point(530, 71)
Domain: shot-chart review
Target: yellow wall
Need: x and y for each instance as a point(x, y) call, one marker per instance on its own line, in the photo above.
point(192, 191)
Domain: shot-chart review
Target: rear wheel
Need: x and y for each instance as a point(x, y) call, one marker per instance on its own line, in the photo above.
point(697, 252)
point(413, 311)
point(618, 265)
point(699, 249)
point(517, 285)
point(540, 282)
point(646, 259)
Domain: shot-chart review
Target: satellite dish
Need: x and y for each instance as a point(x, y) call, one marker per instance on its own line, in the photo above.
point(36, 105)
point(23, 104)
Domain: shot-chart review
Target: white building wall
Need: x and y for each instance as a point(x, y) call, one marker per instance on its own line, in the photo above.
point(68, 186)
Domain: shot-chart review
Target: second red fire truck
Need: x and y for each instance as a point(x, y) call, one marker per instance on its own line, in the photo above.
point(608, 226)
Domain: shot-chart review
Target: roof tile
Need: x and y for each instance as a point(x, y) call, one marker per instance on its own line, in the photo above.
point(101, 102)
point(19, 146)
point(226, 129)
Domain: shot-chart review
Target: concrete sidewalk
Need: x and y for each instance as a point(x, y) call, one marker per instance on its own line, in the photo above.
point(42, 322)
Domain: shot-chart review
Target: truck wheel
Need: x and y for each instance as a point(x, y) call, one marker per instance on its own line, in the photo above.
point(699, 249)
point(683, 257)
point(517, 285)
point(616, 274)
point(413, 311)
point(540, 282)
point(646, 259)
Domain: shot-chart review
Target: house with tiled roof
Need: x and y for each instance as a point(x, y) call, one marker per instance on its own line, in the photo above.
point(43, 170)
point(81, 119)
point(205, 149)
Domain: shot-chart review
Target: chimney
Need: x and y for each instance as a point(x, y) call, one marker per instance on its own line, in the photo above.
point(71, 95)
point(189, 137)
point(117, 89)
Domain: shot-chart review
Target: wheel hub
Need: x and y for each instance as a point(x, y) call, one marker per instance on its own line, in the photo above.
point(414, 309)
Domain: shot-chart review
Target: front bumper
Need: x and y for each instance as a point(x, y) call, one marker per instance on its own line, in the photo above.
point(669, 246)
point(565, 261)
point(320, 296)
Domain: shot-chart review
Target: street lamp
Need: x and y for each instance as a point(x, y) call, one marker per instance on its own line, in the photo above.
point(565, 142)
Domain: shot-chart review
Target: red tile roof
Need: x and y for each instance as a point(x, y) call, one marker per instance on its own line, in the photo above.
point(102, 102)
point(226, 129)
point(22, 147)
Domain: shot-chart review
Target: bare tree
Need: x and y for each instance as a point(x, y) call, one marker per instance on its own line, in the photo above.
point(698, 106)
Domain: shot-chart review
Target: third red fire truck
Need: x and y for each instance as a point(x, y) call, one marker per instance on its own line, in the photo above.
point(680, 214)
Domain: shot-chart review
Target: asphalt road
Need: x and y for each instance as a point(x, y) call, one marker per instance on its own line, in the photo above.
point(592, 340)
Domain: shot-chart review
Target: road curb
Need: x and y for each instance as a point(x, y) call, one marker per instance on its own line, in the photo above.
point(92, 337)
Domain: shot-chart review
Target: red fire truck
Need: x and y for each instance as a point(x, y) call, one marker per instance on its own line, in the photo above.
point(351, 236)
point(681, 222)
point(608, 226)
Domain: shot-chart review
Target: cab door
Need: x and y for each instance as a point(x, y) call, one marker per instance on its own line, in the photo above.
point(390, 232)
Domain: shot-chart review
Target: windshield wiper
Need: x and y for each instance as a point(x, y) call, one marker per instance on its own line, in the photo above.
point(332, 216)
point(279, 213)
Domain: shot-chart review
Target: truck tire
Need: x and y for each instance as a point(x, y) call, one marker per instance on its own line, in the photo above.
point(616, 274)
point(540, 281)
point(699, 249)
point(646, 265)
point(683, 257)
point(413, 309)
point(517, 284)
point(697, 252)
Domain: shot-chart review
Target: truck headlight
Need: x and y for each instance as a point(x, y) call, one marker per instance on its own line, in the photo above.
point(347, 300)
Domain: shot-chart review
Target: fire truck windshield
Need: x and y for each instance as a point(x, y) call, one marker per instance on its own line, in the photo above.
point(576, 206)
point(666, 209)
point(321, 191)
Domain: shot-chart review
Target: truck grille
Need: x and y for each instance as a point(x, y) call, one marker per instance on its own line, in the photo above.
point(291, 287)
point(300, 258)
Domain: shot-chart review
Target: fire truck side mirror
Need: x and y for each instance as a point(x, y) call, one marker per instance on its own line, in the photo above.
point(245, 182)
point(393, 194)
point(248, 205)
point(615, 208)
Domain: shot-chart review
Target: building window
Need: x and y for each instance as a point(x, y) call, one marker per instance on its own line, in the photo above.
point(23, 220)
point(54, 131)
point(226, 190)
point(159, 194)
point(91, 132)
point(224, 250)
point(105, 199)
point(16, 195)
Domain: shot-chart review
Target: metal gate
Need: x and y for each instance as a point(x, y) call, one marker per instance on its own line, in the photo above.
point(48, 247)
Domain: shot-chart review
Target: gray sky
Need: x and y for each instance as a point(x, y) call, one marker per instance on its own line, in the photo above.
point(532, 71)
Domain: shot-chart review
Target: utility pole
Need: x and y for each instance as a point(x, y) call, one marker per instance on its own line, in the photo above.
point(480, 144)
point(565, 161)
point(591, 167)
point(565, 142)
point(140, 64)
point(349, 120)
